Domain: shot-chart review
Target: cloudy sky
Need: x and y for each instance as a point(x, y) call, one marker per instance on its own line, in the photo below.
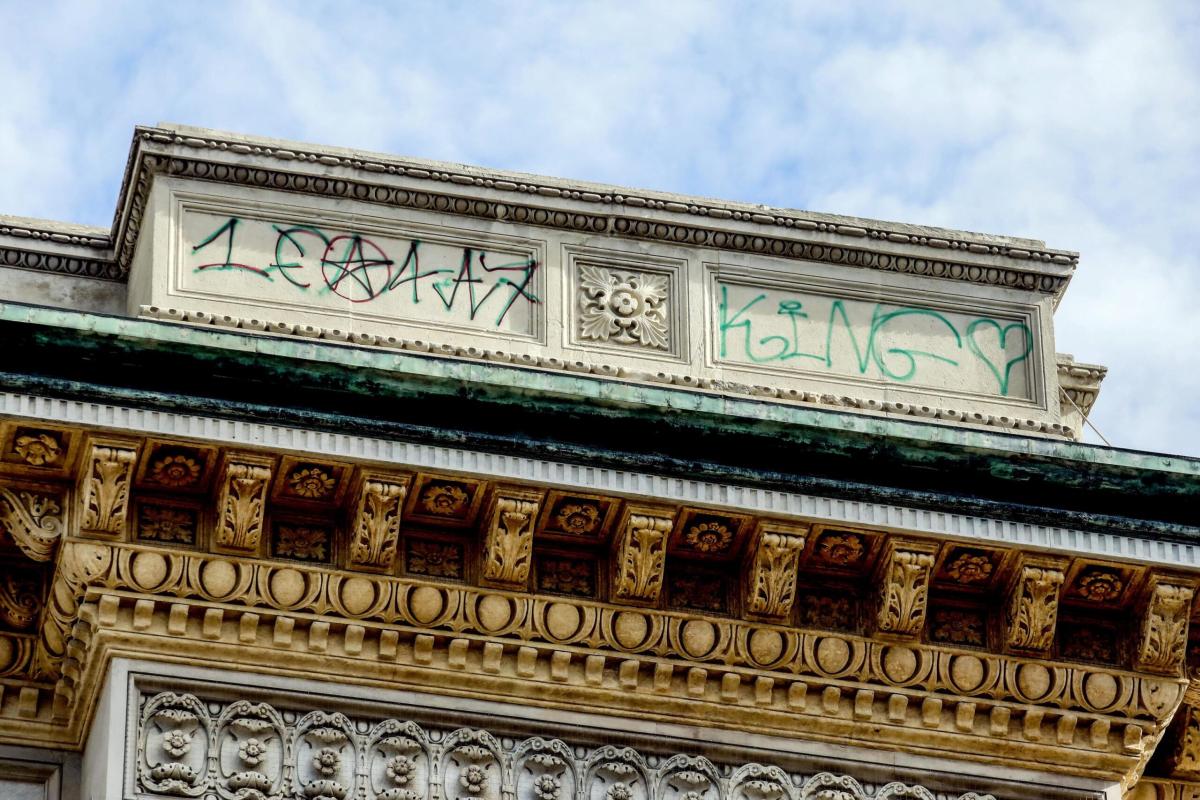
point(1073, 122)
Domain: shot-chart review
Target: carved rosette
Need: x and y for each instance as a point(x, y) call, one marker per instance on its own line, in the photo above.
point(1164, 631)
point(33, 519)
point(641, 555)
point(904, 587)
point(508, 546)
point(1032, 611)
point(242, 503)
point(771, 569)
point(104, 488)
point(376, 523)
point(628, 308)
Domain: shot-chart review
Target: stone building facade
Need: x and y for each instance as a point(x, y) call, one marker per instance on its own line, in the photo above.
point(328, 474)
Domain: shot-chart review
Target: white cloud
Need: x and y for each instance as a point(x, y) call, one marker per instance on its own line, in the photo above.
point(1077, 123)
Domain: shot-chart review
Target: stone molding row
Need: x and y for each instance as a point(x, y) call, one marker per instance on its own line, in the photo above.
point(935, 259)
point(676, 219)
point(187, 746)
point(587, 654)
point(842, 402)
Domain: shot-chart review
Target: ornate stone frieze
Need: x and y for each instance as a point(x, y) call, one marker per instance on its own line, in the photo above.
point(641, 554)
point(104, 488)
point(904, 586)
point(242, 503)
point(33, 518)
point(771, 570)
point(508, 538)
point(1032, 608)
point(376, 524)
point(191, 746)
point(1164, 629)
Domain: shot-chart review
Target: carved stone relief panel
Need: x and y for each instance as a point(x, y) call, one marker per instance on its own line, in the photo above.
point(625, 302)
point(189, 746)
point(640, 554)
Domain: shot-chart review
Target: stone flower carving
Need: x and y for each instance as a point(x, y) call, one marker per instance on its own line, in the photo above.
point(302, 542)
point(177, 743)
point(444, 500)
point(580, 518)
point(165, 524)
point(1100, 586)
point(312, 483)
point(565, 575)
point(175, 471)
point(327, 761)
point(251, 751)
point(400, 769)
point(38, 449)
point(435, 559)
point(709, 537)
point(623, 307)
point(970, 568)
point(619, 791)
point(547, 787)
point(840, 549)
point(472, 779)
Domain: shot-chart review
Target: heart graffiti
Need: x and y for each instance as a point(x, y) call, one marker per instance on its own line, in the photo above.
point(1002, 331)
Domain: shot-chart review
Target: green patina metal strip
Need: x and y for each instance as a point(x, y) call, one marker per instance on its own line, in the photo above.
point(748, 441)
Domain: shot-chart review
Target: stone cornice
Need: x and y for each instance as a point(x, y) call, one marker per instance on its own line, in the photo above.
point(297, 620)
point(601, 209)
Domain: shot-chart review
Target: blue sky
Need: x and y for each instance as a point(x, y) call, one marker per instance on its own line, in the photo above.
point(1073, 122)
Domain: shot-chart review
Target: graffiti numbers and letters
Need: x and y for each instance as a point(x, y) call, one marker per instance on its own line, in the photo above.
point(331, 268)
point(904, 344)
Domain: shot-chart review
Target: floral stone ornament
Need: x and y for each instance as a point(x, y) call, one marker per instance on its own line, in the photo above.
point(623, 307)
point(37, 448)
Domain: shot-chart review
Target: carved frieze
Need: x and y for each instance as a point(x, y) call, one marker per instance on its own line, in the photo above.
point(265, 750)
point(242, 503)
point(771, 570)
point(32, 518)
point(104, 488)
point(1032, 607)
point(508, 538)
point(375, 528)
point(904, 586)
point(1163, 635)
point(641, 554)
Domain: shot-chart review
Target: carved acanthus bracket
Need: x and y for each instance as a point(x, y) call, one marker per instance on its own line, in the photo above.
point(1032, 611)
point(104, 484)
point(242, 503)
point(771, 568)
point(903, 575)
point(376, 524)
point(1184, 759)
point(508, 544)
point(1162, 641)
point(641, 554)
point(33, 519)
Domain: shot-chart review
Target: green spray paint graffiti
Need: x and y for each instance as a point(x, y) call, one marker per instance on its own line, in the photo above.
point(359, 270)
point(889, 341)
